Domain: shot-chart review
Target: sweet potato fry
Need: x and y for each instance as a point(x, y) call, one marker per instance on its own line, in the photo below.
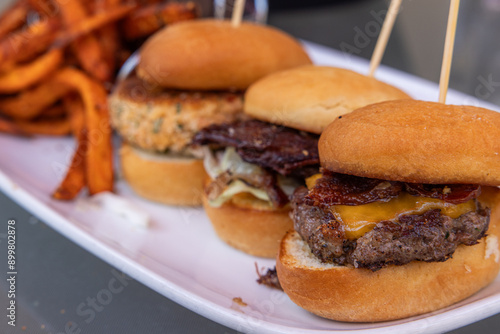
point(109, 35)
point(91, 57)
point(24, 76)
point(49, 127)
point(72, 11)
point(147, 20)
point(25, 44)
point(105, 5)
point(55, 111)
point(31, 103)
point(54, 73)
point(13, 18)
point(10, 127)
point(148, 2)
point(92, 23)
point(74, 181)
point(73, 104)
point(48, 8)
point(99, 157)
point(87, 49)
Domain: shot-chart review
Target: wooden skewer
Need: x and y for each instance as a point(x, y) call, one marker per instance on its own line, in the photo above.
point(239, 5)
point(448, 50)
point(385, 33)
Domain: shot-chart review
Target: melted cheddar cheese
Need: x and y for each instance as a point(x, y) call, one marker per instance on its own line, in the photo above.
point(311, 180)
point(360, 219)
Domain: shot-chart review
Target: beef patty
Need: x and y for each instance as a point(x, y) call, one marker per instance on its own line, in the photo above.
point(430, 236)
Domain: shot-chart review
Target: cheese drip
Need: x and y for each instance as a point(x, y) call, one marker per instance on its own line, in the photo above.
point(360, 219)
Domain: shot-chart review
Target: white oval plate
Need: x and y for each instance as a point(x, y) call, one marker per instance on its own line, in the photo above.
point(179, 255)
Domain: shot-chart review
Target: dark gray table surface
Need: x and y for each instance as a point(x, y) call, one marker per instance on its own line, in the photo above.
point(55, 276)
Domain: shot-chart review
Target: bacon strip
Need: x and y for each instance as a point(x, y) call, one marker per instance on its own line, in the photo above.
point(341, 189)
point(452, 193)
point(283, 150)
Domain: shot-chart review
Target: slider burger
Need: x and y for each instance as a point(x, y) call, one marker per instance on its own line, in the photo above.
point(255, 165)
point(403, 219)
point(190, 75)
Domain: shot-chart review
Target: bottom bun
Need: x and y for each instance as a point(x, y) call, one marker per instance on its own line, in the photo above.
point(256, 232)
point(164, 179)
point(360, 295)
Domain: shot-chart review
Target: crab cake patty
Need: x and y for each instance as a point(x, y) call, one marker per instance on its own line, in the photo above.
point(158, 119)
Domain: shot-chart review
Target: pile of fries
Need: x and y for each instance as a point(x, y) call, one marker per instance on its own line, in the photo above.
point(58, 60)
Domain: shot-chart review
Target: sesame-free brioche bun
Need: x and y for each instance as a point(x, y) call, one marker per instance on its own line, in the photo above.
point(359, 295)
point(415, 141)
point(249, 228)
point(211, 54)
point(290, 97)
point(161, 178)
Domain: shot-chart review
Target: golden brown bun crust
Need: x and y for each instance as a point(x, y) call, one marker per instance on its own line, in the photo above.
point(213, 55)
point(174, 182)
point(311, 97)
point(415, 141)
point(256, 232)
point(360, 295)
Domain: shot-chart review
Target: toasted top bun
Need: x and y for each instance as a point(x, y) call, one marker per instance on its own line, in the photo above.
point(213, 55)
point(415, 141)
point(311, 97)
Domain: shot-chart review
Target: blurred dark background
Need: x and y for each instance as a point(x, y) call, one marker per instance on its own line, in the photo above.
point(417, 41)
